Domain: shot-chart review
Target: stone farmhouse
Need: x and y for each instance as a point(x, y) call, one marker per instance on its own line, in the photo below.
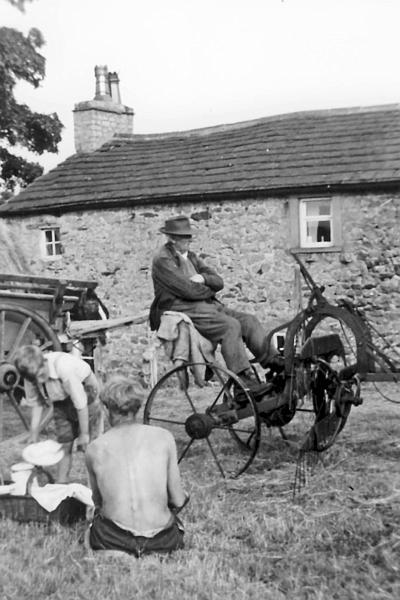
point(324, 184)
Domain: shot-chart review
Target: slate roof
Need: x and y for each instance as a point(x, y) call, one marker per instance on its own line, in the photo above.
point(315, 151)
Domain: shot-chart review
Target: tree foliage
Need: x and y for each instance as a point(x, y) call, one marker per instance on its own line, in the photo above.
point(20, 60)
point(20, 4)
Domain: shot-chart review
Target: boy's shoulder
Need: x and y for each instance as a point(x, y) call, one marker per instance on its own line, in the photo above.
point(154, 432)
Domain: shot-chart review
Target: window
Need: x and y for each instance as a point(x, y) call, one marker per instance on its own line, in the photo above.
point(315, 224)
point(52, 243)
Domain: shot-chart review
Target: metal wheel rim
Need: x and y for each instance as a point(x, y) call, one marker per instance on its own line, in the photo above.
point(207, 401)
point(307, 325)
point(29, 325)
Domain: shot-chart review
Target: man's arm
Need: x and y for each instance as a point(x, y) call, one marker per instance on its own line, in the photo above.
point(176, 496)
point(32, 400)
point(76, 391)
point(84, 438)
point(210, 277)
point(167, 274)
point(36, 417)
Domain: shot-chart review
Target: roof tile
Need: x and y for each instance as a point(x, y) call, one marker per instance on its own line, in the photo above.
point(357, 146)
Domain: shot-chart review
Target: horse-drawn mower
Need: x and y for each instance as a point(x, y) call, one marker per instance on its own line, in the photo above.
point(329, 350)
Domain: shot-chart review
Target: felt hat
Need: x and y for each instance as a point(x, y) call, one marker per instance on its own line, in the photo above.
point(43, 454)
point(179, 226)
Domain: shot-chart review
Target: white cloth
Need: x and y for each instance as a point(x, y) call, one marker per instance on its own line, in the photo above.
point(51, 495)
point(184, 344)
point(199, 348)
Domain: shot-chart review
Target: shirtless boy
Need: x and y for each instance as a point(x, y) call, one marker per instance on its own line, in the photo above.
point(135, 480)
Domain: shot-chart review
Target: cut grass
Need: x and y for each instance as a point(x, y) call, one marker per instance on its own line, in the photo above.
point(247, 538)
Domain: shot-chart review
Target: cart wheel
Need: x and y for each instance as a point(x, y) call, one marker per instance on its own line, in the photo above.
point(216, 426)
point(18, 326)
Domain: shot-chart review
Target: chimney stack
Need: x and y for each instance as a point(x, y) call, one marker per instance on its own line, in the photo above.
point(97, 120)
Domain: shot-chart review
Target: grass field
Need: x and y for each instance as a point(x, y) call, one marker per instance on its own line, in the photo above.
point(246, 538)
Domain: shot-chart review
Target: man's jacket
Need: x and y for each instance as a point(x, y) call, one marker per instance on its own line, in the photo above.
point(170, 282)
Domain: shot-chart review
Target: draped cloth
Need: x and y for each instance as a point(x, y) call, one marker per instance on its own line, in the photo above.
point(182, 343)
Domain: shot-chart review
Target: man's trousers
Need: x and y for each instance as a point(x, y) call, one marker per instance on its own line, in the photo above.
point(232, 329)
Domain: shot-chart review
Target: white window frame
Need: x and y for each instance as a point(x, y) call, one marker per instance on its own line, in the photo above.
point(296, 223)
point(52, 245)
point(304, 220)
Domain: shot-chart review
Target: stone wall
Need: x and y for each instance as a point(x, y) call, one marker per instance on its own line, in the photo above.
point(367, 270)
point(246, 241)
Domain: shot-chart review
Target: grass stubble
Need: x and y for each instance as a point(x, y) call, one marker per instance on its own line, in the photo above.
point(248, 538)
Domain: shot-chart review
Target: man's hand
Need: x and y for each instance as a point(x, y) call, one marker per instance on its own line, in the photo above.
point(197, 278)
point(82, 442)
point(177, 509)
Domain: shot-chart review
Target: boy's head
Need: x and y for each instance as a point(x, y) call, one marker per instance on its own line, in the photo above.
point(120, 397)
point(31, 363)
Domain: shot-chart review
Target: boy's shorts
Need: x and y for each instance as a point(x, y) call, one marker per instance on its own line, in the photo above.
point(106, 535)
point(67, 423)
point(66, 416)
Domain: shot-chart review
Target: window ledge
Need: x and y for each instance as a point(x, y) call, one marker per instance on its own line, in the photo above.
point(51, 258)
point(316, 250)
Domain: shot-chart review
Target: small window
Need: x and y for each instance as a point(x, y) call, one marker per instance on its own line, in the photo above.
point(52, 243)
point(316, 223)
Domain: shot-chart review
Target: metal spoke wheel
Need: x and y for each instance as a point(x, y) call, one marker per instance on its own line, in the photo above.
point(323, 411)
point(323, 400)
point(18, 326)
point(353, 333)
point(216, 427)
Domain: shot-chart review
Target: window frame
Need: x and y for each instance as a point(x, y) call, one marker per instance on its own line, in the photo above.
point(305, 220)
point(53, 244)
point(297, 223)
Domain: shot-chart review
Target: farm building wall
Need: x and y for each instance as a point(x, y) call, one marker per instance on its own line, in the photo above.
point(12, 259)
point(246, 241)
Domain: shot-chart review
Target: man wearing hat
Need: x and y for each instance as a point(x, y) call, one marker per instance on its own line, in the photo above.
point(184, 283)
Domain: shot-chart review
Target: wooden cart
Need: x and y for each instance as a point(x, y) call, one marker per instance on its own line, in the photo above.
point(53, 314)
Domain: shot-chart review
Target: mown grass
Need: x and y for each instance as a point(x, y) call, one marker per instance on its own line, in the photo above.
point(247, 538)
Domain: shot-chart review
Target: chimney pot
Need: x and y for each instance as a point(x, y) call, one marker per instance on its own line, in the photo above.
point(113, 82)
point(102, 85)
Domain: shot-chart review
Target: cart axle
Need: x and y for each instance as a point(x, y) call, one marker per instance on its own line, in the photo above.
point(8, 377)
point(199, 426)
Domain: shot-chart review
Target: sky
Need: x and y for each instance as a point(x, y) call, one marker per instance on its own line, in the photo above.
point(185, 64)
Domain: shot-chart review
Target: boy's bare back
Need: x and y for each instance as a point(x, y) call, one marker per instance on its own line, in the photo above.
point(134, 475)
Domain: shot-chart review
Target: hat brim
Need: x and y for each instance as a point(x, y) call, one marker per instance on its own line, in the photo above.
point(42, 455)
point(176, 233)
